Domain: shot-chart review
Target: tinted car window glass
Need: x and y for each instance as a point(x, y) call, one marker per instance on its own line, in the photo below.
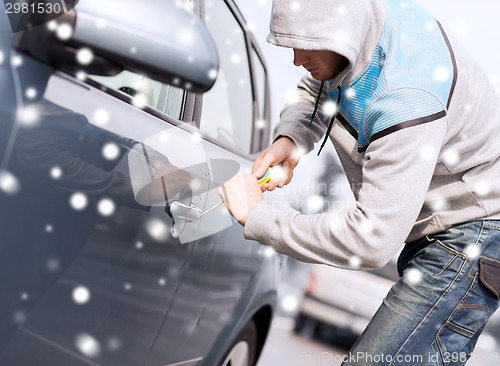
point(227, 112)
point(145, 91)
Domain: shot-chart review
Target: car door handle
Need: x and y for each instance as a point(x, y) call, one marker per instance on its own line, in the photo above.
point(182, 211)
point(179, 210)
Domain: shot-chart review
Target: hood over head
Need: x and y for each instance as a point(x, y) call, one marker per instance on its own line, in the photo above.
point(350, 28)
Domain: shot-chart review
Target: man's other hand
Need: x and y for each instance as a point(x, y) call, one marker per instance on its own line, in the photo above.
point(240, 194)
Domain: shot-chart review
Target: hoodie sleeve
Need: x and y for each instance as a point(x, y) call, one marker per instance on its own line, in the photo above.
point(395, 179)
point(296, 116)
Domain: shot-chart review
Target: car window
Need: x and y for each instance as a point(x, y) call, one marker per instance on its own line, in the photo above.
point(145, 91)
point(227, 112)
point(260, 80)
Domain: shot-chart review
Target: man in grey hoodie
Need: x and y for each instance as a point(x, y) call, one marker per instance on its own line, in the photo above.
point(416, 127)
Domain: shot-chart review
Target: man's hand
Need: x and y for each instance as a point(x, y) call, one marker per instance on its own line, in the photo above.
point(283, 151)
point(240, 194)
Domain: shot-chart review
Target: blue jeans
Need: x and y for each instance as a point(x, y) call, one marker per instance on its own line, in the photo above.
point(435, 313)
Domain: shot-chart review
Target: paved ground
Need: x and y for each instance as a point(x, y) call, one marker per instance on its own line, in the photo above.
point(286, 348)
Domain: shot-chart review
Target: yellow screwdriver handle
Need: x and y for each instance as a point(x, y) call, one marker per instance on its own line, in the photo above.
point(266, 177)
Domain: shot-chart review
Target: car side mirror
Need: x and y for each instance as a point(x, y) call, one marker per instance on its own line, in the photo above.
point(157, 38)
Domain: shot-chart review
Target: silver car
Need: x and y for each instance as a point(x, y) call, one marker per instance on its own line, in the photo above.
point(114, 247)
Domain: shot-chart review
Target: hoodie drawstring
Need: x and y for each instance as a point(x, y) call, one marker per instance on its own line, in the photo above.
point(317, 103)
point(330, 125)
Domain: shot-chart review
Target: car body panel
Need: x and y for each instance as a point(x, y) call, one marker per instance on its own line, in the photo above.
point(91, 273)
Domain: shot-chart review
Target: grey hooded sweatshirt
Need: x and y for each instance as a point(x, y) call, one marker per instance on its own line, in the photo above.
point(417, 131)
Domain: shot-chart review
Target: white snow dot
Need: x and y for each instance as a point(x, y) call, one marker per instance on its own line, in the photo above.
point(19, 317)
point(196, 184)
point(472, 251)
point(9, 184)
point(413, 275)
point(24, 296)
point(16, 61)
point(190, 59)
point(88, 345)
point(430, 26)
point(162, 281)
point(298, 152)
point(28, 115)
point(235, 58)
point(442, 74)
point(355, 262)
point(164, 138)
point(101, 23)
point(294, 6)
point(451, 157)
point(81, 295)
point(290, 303)
point(350, 93)
point(85, 56)
point(157, 229)
point(251, 26)
point(53, 265)
point(330, 108)
point(186, 36)
point(212, 74)
point(367, 226)
point(291, 96)
point(482, 188)
point(133, 50)
point(314, 204)
point(81, 75)
point(278, 172)
point(140, 101)
point(439, 204)
point(427, 152)
point(106, 207)
point(342, 10)
point(127, 287)
point(101, 117)
point(64, 31)
point(341, 36)
point(78, 201)
point(114, 344)
point(31, 93)
point(139, 245)
point(52, 25)
point(110, 151)
point(268, 252)
point(196, 136)
point(260, 124)
point(56, 172)
point(49, 228)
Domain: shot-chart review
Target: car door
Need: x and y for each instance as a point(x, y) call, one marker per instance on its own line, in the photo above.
point(94, 270)
point(89, 263)
point(228, 279)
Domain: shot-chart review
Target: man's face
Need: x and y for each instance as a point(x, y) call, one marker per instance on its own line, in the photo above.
point(323, 65)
